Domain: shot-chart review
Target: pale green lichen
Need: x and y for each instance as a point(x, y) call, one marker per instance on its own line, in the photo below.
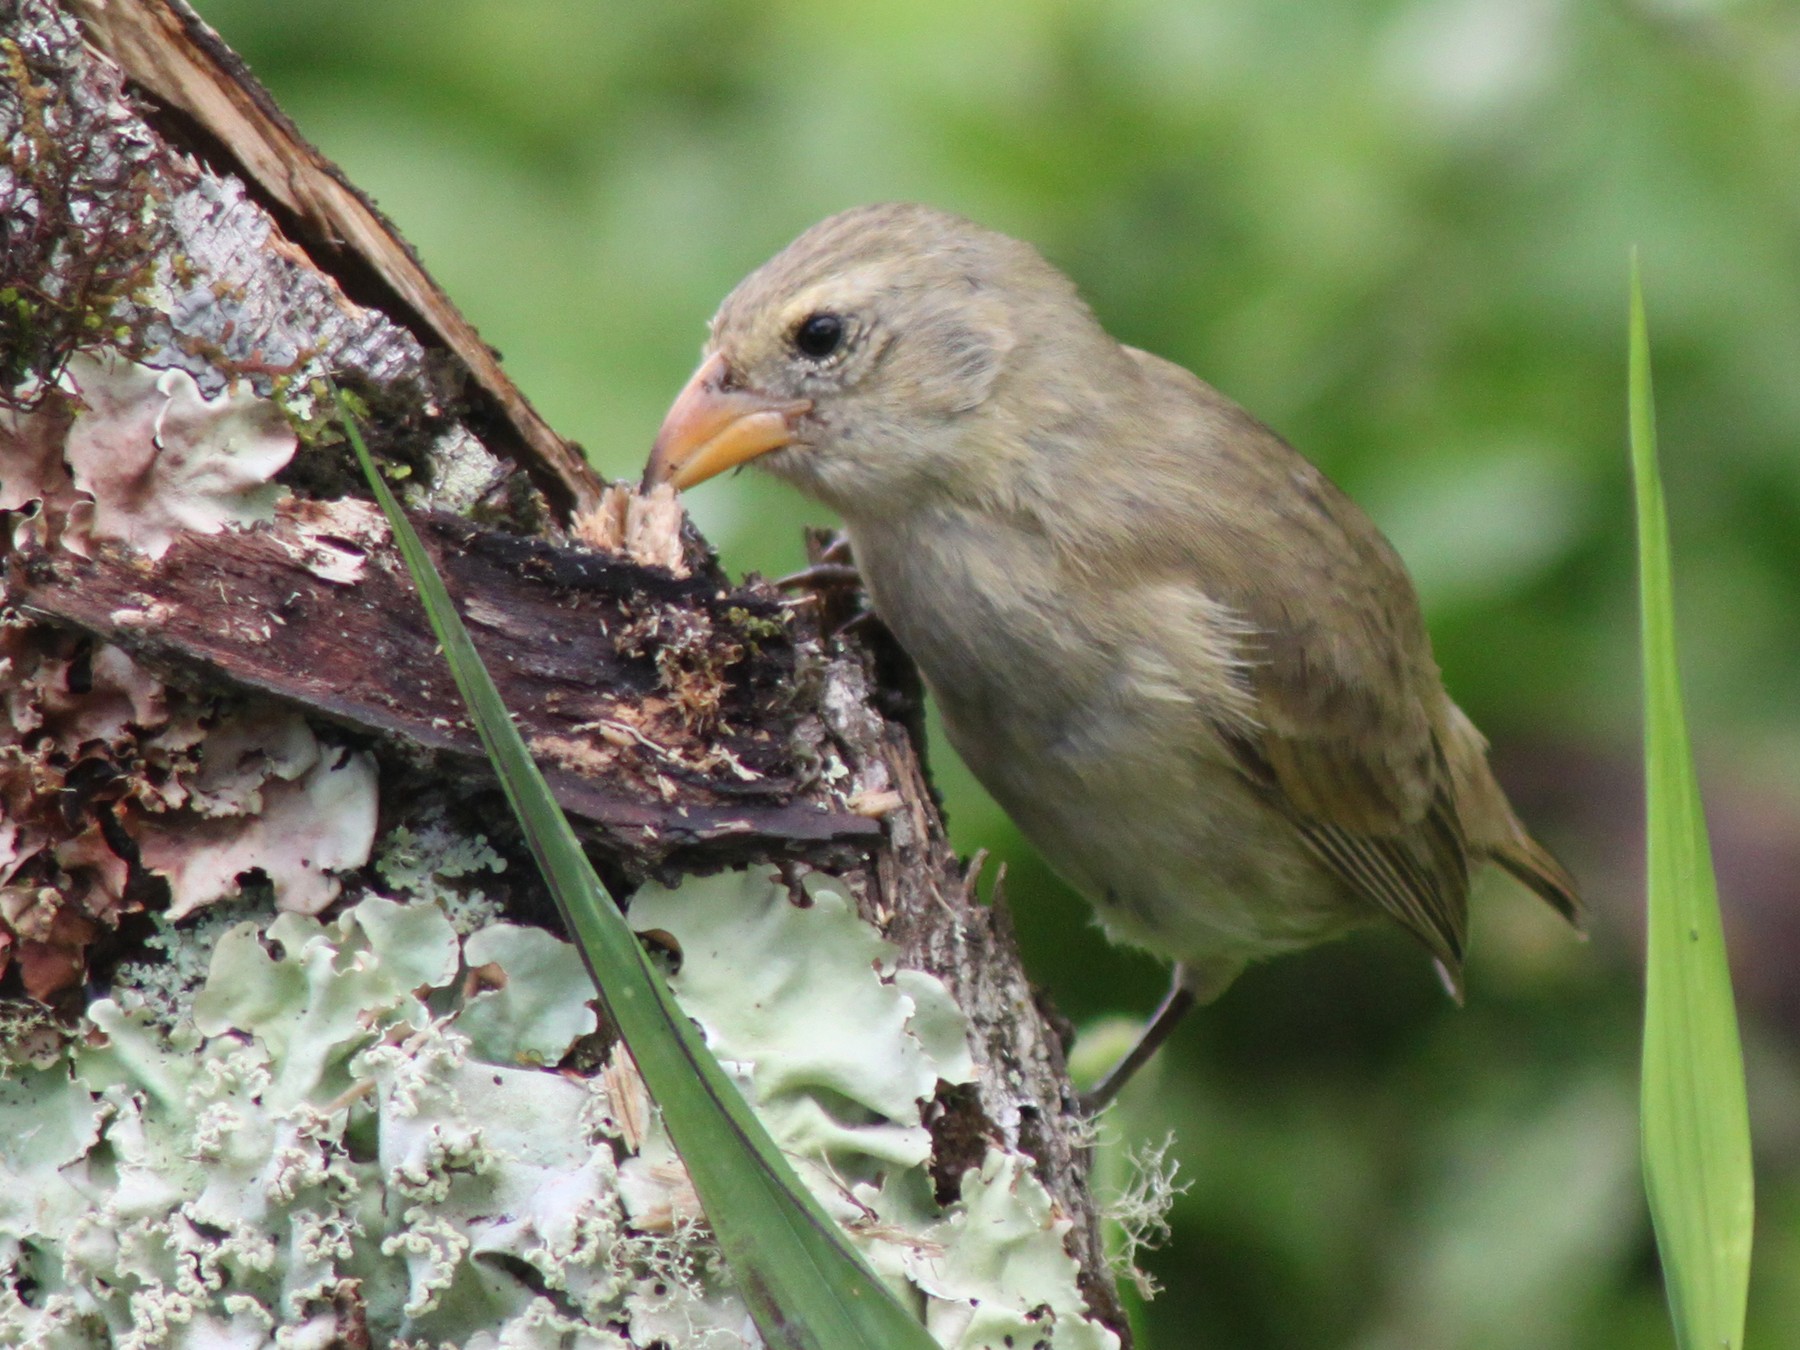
point(1137, 1216)
point(838, 1056)
point(432, 862)
point(165, 987)
point(30, 1035)
point(365, 1113)
point(997, 1270)
point(541, 1006)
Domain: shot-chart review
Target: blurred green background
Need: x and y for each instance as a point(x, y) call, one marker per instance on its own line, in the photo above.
point(1397, 231)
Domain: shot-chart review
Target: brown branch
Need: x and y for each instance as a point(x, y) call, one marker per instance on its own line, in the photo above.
point(582, 646)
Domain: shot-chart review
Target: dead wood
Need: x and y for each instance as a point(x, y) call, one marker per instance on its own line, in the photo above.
point(685, 722)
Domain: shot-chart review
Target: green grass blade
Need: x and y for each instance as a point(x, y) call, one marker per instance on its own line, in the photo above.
point(806, 1287)
point(1696, 1124)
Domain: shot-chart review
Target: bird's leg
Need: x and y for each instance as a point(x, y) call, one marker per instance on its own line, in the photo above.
point(1174, 1007)
point(1190, 987)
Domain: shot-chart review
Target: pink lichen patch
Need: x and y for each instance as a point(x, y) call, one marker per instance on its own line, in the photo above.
point(30, 911)
point(243, 752)
point(134, 454)
point(96, 697)
point(70, 749)
point(76, 748)
point(107, 775)
point(109, 780)
point(35, 486)
point(320, 822)
point(98, 875)
point(57, 962)
point(28, 791)
point(31, 453)
point(47, 933)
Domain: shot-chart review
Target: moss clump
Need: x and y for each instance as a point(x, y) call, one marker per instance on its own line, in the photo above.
point(80, 231)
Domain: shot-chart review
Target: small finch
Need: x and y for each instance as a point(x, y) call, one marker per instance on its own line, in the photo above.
point(1187, 665)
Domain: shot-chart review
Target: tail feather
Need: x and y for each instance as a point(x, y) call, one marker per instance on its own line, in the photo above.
point(1491, 826)
point(1534, 865)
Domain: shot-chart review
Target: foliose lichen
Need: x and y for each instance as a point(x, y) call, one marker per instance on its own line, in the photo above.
point(344, 1134)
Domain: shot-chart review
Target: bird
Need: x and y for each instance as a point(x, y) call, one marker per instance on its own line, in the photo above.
point(1190, 668)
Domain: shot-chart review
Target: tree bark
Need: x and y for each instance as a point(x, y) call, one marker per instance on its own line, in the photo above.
point(178, 263)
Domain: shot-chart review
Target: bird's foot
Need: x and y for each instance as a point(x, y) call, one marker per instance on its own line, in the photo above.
point(828, 564)
point(819, 576)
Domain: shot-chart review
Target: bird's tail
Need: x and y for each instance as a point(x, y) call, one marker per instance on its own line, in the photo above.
point(1493, 828)
point(1534, 865)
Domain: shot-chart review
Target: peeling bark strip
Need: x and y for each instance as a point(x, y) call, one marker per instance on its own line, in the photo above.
point(665, 712)
point(209, 657)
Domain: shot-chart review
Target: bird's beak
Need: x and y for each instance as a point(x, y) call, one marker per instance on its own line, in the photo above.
point(710, 428)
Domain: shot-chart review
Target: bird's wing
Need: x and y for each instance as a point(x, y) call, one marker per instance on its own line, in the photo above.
point(1354, 761)
point(1416, 872)
point(1344, 733)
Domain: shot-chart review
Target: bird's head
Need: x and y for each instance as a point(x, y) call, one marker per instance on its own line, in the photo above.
point(866, 362)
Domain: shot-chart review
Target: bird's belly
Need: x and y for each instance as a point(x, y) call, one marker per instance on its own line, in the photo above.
point(1124, 792)
point(1173, 849)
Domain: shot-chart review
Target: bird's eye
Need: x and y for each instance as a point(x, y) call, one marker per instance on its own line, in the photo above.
point(819, 335)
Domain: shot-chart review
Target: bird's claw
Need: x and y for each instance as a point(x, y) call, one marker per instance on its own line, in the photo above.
point(820, 575)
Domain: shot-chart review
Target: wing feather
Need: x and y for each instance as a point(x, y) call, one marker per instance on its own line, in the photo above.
point(1345, 733)
point(1418, 874)
point(1335, 709)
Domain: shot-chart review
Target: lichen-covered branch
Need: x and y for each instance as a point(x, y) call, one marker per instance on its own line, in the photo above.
point(163, 46)
point(286, 1049)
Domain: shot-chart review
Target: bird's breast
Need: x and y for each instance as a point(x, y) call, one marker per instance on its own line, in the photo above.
point(984, 611)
